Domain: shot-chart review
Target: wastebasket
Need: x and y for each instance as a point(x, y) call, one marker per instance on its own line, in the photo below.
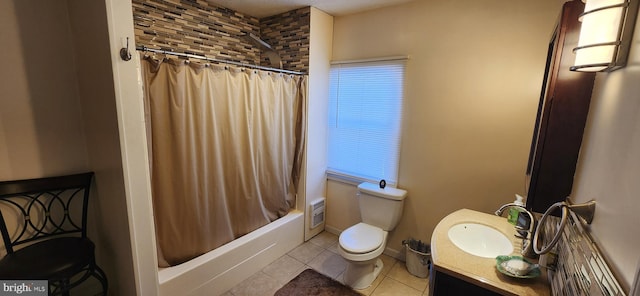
point(418, 257)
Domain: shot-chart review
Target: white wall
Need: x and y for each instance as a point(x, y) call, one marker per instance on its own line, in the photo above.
point(57, 115)
point(133, 149)
point(319, 57)
point(41, 130)
point(96, 90)
point(473, 83)
point(609, 165)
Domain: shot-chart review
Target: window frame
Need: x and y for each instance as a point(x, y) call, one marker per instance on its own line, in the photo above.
point(355, 179)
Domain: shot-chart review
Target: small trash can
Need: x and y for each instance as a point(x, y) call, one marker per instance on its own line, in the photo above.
point(418, 257)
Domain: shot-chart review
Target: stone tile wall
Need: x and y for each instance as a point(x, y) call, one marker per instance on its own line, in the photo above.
point(288, 34)
point(577, 267)
point(198, 27)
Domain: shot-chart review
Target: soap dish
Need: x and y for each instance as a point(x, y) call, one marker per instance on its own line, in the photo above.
point(516, 266)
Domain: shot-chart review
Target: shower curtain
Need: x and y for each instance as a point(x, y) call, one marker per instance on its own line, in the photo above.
point(225, 148)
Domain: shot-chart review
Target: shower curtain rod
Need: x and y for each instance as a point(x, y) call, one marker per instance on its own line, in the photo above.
point(195, 56)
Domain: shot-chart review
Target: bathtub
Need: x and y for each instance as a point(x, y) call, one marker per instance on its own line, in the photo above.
point(221, 269)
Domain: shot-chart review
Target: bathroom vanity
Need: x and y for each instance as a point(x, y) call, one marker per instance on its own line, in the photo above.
point(456, 272)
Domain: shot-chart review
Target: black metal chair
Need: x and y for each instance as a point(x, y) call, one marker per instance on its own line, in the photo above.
point(44, 229)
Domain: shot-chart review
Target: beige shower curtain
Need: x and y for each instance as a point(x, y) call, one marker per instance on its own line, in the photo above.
point(225, 150)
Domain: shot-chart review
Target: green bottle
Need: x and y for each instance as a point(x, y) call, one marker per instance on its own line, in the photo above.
point(515, 211)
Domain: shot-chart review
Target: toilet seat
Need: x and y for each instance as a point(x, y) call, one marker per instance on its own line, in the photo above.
point(361, 238)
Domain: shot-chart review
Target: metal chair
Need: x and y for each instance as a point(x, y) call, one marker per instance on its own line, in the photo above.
point(44, 228)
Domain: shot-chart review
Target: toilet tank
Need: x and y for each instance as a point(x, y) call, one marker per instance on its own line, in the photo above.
point(381, 207)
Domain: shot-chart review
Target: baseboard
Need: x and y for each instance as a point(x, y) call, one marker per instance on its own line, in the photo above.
point(394, 253)
point(331, 229)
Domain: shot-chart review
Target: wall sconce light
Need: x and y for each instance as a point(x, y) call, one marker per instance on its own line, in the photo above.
point(605, 36)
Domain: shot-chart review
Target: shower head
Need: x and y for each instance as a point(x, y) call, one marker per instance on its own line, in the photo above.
point(269, 52)
point(255, 40)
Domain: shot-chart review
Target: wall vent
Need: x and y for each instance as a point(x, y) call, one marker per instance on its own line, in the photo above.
point(316, 208)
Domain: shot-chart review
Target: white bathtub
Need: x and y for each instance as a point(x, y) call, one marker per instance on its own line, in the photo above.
point(221, 269)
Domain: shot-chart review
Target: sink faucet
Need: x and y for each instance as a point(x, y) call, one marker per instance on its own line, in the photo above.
point(527, 237)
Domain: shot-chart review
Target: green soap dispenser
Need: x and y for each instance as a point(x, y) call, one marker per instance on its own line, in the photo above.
point(515, 211)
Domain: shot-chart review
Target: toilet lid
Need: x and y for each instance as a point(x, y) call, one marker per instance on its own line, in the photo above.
point(361, 238)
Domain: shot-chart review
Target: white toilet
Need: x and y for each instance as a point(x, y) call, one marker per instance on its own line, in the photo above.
point(363, 243)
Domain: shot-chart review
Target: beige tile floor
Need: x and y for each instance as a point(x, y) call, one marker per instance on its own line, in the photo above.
point(321, 254)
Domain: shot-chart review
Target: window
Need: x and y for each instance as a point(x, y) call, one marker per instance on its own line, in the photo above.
point(365, 110)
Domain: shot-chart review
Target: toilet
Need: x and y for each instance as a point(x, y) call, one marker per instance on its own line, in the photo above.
point(363, 243)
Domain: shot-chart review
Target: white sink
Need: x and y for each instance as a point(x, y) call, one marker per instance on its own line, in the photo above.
point(480, 240)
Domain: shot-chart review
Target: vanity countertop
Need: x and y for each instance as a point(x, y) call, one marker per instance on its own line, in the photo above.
point(449, 259)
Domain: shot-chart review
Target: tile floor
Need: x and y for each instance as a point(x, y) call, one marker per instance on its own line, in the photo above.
point(321, 254)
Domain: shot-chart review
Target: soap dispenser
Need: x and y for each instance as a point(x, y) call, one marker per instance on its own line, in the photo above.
point(515, 211)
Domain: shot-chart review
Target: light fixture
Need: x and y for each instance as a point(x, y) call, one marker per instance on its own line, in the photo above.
point(605, 36)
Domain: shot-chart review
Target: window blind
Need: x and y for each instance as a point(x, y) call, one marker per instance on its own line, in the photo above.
point(365, 111)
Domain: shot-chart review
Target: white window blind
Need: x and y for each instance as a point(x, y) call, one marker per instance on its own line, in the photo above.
point(365, 110)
